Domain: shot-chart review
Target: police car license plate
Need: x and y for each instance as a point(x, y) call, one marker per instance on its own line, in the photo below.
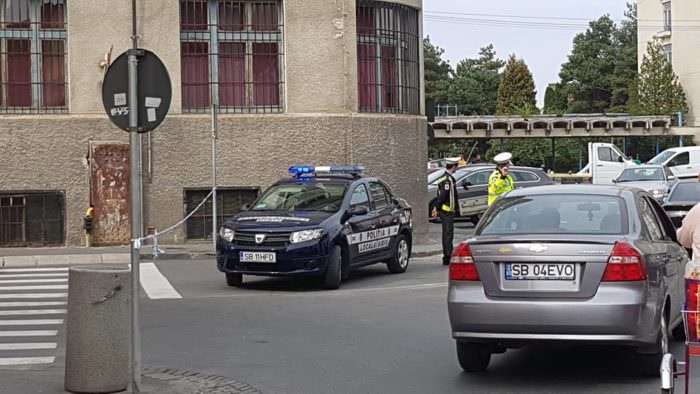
point(543, 271)
point(258, 257)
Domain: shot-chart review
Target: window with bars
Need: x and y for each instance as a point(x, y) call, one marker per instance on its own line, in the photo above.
point(32, 56)
point(228, 204)
point(388, 58)
point(35, 218)
point(232, 55)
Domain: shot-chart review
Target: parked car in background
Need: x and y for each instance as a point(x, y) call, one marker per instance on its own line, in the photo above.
point(569, 264)
point(657, 180)
point(683, 196)
point(472, 186)
point(683, 161)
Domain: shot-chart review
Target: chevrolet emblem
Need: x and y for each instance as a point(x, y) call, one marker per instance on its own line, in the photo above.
point(505, 249)
point(538, 248)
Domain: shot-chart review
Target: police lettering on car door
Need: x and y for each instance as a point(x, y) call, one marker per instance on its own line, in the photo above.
point(369, 241)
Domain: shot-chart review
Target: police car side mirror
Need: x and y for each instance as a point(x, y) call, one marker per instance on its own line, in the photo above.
point(244, 207)
point(358, 210)
point(466, 185)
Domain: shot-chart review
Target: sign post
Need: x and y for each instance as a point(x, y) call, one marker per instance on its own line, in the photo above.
point(136, 95)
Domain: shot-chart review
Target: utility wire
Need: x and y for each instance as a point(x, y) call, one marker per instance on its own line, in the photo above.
point(543, 25)
point(545, 17)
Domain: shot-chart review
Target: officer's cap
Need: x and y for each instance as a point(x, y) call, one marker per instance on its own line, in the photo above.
point(503, 158)
point(449, 162)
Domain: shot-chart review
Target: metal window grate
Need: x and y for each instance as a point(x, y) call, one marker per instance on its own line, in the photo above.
point(228, 204)
point(232, 55)
point(35, 218)
point(32, 56)
point(388, 58)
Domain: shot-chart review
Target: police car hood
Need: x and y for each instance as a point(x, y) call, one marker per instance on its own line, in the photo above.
point(277, 219)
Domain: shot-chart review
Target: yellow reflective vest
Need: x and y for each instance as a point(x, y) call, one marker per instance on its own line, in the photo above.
point(499, 185)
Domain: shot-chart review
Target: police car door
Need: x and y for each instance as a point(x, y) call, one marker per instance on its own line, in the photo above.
point(383, 238)
point(359, 226)
point(474, 200)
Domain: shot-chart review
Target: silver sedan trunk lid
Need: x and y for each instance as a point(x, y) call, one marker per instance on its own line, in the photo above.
point(542, 266)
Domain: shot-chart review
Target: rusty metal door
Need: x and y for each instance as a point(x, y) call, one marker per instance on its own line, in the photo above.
point(110, 194)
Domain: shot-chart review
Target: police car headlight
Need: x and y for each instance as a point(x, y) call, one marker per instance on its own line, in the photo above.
point(226, 234)
point(306, 235)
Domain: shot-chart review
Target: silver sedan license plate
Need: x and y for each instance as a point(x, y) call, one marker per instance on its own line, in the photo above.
point(258, 257)
point(541, 271)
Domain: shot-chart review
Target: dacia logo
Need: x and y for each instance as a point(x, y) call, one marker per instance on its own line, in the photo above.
point(259, 238)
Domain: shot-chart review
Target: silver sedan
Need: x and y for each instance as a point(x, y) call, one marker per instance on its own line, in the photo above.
point(570, 263)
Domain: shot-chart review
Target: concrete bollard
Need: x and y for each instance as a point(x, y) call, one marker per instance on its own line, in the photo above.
point(97, 329)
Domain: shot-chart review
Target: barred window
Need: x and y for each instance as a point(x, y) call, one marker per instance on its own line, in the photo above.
point(232, 55)
point(388, 58)
point(33, 56)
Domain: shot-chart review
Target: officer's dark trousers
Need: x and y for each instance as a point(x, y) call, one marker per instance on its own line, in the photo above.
point(448, 232)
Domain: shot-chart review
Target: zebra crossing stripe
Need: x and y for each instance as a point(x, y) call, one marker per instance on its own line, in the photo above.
point(28, 346)
point(19, 296)
point(59, 275)
point(16, 281)
point(55, 269)
point(8, 361)
point(29, 333)
point(43, 287)
point(31, 303)
point(33, 312)
point(31, 322)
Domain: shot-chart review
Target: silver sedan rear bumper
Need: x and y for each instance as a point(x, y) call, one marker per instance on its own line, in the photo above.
point(619, 312)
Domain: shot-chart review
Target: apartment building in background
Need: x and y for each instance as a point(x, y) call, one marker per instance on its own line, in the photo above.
point(295, 81)
point(676, 25)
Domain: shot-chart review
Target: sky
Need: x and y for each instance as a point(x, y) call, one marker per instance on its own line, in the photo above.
point(543, 48)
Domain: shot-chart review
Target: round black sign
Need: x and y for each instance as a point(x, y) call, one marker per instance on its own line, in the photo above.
point(154, 91)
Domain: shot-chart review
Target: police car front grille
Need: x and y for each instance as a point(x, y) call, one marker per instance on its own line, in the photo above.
point(271, 239)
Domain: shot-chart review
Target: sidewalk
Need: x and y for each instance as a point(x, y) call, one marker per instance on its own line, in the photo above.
point(61, 256)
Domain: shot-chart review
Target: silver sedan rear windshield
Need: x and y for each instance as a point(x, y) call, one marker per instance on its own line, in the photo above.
point(556, 214)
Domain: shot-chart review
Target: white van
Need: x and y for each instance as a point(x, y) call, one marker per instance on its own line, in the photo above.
point(606, 162)
point(684, 162)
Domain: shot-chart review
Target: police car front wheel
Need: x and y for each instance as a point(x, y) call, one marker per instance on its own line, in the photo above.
point(334, 271)
point(399, 262)
point(234, 280)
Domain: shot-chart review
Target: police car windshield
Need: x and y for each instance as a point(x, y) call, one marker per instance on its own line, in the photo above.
point(302, 196)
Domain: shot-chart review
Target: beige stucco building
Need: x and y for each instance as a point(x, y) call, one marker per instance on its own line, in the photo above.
point(296, 81)
point(675, 24)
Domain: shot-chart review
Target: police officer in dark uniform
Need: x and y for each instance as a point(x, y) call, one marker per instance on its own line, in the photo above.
point(445, 206)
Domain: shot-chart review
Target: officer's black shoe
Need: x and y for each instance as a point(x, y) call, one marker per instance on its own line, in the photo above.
point(445, 261)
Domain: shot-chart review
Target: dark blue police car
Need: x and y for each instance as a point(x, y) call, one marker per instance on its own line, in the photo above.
point(322, 221)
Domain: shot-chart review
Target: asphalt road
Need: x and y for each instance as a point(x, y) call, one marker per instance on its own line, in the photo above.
point(379, 333)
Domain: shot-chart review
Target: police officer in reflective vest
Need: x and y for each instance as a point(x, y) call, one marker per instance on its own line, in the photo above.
point(445, 206)
point(500, 182)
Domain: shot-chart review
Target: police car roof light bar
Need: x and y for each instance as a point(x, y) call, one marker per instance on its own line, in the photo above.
point(300, 171)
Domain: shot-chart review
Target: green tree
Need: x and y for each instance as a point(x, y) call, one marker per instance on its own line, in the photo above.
point(555, 99)
point(658, 90)
point(625, 71)
point(437, 73)
point(474, 87)
point(516, 93)
point(588, 74)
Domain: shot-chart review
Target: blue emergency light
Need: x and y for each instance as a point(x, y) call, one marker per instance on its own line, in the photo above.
point(299, 171)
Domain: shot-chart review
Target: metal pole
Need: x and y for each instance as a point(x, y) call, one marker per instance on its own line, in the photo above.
point(214, 128)
point(136, 226)
point(680, 124)
point(554, 155)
